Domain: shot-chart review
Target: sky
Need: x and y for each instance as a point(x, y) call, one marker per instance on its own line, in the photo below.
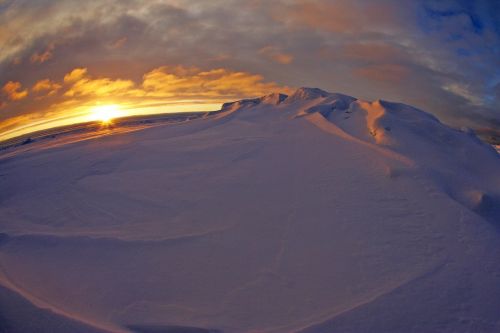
point(60, 61)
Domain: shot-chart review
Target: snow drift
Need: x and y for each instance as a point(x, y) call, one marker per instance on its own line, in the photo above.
point(314, 212)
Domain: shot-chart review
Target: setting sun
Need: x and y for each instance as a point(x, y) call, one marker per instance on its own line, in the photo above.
point(105, 113)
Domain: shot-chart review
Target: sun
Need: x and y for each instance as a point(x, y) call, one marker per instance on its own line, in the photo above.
point(105, 113)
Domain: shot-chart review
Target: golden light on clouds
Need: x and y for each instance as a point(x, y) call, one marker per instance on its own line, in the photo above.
point(14, 91)
point(191, 82)
point(46, 88)
point(75, 75)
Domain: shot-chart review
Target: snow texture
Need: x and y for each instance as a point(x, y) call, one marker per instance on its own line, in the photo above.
point(312, 213)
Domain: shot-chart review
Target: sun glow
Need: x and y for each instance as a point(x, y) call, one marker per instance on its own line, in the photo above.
point(105, 113)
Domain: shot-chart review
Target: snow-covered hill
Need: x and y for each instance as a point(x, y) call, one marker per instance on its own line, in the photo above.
point(314, 212)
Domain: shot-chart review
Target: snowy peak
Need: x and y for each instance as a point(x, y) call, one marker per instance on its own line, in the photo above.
point(304, 94)
point(404, 110)
point(300, 95)
point(339, 101)
point(414, 134)
point(271, 99)
point(398, 129)
point(274, 99)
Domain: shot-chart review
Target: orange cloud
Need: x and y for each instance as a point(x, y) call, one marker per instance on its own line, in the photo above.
point(166, 82)
point(44, 56)
point(383, 73)
point(273, 53)
point(46, 86)
point(87, 86)
point(81, 84)
point(75, 75)
point(13, 91)
point(182, 82)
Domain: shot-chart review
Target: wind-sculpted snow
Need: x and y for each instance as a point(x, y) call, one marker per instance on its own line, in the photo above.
point(316, 212)
point(457, 161)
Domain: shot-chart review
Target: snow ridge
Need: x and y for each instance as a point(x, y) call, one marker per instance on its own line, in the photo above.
point(406, 134)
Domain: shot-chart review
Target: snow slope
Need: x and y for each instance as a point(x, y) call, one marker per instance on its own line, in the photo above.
point(315, 212)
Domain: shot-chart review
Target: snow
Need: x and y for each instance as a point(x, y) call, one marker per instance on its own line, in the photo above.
point(315, 213)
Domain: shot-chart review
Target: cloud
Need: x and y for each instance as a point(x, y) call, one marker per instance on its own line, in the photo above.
point(191, 82)
point(383, 73)
point(75, 75)
point(117, 44)
point(463, 91)
point(375, 52)
point(46, 87)
point(14, 92)
point(84, 85)
point(167, 83)
point(496, 90)
point(43, 56)
point(273, 53)
point(338, 16)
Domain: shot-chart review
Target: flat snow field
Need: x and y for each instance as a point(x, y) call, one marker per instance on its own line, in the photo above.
point(313, 213)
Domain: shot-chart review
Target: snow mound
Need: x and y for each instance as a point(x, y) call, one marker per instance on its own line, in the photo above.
point(407, 134)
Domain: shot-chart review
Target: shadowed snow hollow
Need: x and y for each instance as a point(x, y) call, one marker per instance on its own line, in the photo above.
point(314, 212)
